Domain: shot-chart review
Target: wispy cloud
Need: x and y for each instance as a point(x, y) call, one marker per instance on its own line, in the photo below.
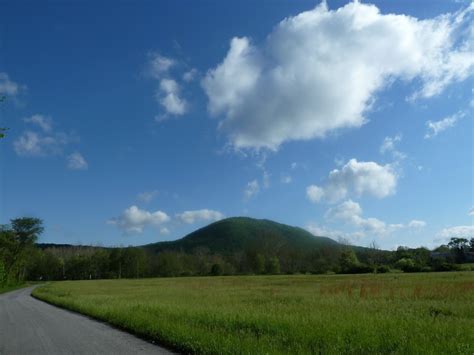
point(436, 127)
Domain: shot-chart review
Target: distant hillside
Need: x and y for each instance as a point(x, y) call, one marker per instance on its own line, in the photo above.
point(241, 233)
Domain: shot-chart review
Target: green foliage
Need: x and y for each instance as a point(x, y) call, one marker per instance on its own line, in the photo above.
point(216, 270)
point(240, 234)
point(272, 266)
point(17, 247)
point(339, 314)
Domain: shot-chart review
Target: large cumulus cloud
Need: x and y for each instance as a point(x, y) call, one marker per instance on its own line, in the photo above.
point(319, 71)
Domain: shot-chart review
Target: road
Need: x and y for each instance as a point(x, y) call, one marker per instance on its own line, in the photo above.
point(30, 326)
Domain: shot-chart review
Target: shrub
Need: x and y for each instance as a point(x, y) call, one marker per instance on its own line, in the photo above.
point(216, 270)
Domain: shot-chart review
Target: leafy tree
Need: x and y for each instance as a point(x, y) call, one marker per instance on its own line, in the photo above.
point(16, 244)
point(272, 265)
point(348, 261)
point(459, 246)
point(216, 270)
point(407, 265)
point(27, 229)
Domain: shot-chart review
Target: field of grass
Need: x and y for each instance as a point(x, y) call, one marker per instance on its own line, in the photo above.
point(335, 314)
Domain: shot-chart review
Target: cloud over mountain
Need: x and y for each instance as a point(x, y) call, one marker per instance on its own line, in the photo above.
point(356, 178)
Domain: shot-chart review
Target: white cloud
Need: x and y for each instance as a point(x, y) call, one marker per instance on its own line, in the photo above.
point(359, 178)
point(35, 144)
point(44, 122)
point(190, 217)
point(251, 189)
point(164, 231)
point(266, 179)
point(286, 179)
point(456, 232)
point(169, 97)
point(389, 146)
point(436, 127)
point(76, 161)
point(323, 231)
point(160, 65)
point(416, 224)
point(7, 86)
point(314, 193)
point(147, 196)
point(351, 213)
point(44, 143)
point(134, 219)
point(319, 71)
point(190, 75)
point(471, 212)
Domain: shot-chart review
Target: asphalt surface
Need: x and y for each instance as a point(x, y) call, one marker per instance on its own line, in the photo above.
point(30, 326)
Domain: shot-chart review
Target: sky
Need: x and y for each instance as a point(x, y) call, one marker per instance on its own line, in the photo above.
point(136, 122)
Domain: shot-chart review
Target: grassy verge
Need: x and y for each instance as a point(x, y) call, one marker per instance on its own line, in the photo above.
point(337, 314)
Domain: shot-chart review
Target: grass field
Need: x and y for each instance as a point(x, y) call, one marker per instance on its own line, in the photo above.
point(336, 314)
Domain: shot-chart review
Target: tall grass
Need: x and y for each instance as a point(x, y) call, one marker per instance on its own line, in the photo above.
point(335, 314)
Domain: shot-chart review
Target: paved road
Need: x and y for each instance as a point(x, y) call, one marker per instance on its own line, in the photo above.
point(29, 326)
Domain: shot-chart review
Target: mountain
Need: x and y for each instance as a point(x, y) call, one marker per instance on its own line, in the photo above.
point(237, 234)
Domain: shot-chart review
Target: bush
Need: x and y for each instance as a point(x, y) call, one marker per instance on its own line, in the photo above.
point(408, 265)
point(216, 270)
point(445, 266)
point(382, 269)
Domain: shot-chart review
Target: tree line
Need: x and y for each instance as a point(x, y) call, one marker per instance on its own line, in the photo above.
point(21, 259)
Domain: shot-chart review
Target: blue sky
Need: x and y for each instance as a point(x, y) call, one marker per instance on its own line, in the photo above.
point(131, 123)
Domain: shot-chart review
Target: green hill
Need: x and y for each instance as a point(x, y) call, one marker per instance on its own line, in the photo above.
point(237, 234)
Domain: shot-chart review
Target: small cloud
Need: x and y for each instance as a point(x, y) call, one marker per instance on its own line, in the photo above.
point(147, 196)
point(169, 97)
point(164, 231)
point(389, 146)
point(471, 212)
point(34, 144)
point(358, 178)
point(266, 179)
point(134, 219)
point(76, 161)
point(417, 224)
point(42, 143)
point(44, 122)
point(251, 189)
point(190, 75)
point(191, 217)
point(7, 86)
point(436, 127)
point(286, 179)
point(160, 65)
point(314, 193)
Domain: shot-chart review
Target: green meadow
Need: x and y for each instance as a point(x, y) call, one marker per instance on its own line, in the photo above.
point(430, 313)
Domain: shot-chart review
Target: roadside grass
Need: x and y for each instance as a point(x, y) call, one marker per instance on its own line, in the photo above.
point(430, 313)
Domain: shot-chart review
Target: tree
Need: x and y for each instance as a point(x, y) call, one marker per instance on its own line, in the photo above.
point(16, 244)
point(272, 266)
point(216, 270)
point(459, 246)
point(348, 261)
point(27, 229)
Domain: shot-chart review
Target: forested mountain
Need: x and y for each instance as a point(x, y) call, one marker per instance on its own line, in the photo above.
point(233, 246)
point(240, 234)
